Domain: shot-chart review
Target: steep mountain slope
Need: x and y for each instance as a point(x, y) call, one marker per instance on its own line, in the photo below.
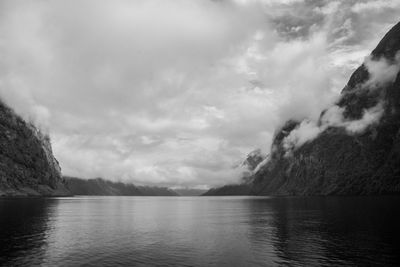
point(355, 144)
point(101, 187)
point(27, 164)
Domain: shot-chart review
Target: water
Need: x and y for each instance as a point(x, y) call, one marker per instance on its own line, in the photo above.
point(200, 231)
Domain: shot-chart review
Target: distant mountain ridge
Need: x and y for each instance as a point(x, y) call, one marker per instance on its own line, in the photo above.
point(190, 191)
point(27, 164)
point(102, 187)
point(242, 189)
point(249, 165)
point(354, 148)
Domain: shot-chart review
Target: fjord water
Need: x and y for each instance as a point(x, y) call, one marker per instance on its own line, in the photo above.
point(200, 231)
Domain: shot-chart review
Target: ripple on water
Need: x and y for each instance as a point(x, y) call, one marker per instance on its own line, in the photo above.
point(199, 231)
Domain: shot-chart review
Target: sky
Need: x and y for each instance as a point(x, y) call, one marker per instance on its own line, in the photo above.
point(177, 92)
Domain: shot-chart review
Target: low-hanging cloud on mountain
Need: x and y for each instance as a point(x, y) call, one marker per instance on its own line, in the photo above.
point(381, 72)
point(176, 93)
point(308, 130)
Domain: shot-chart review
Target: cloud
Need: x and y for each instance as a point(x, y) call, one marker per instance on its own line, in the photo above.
point(334, 117)
point(381, 71)
point(375, 6)
point(175, 92)
point(371, 116)
point(308, 130)
point(262, 163)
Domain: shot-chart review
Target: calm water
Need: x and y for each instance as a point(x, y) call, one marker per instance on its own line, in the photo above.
point(200, 231)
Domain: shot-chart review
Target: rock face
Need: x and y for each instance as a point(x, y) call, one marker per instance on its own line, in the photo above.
point(27, 164)
point(101, 187)
point(337, 161)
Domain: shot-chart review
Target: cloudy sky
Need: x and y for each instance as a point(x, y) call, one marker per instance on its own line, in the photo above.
point(177, 92)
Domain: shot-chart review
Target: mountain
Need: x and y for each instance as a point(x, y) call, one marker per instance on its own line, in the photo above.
point(354, 147)
point(242, 189)
point(252, 160)
point(27, 164)
point(249, 165)
point(189, 191)
point(101, 187)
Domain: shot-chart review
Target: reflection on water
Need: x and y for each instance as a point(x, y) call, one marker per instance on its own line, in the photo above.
point(24, 229)
point(361, 231)
point(200, 231)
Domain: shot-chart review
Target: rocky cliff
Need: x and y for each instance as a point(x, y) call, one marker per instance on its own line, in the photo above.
point(354, 147)
point(27, 164)
point(101, 187)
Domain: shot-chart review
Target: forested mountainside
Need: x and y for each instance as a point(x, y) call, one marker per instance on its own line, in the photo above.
point(101, 187)
point(27, 164)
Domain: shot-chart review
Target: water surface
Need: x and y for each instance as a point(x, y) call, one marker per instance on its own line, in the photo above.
point(200, 231)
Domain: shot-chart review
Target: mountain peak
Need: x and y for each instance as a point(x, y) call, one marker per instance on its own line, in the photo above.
point(389, 45)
